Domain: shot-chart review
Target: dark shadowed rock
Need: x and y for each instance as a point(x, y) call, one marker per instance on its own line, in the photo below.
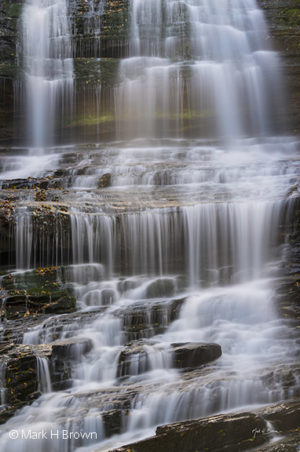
point(64, 353)
point(19, 378)
point(192, 355)
point(104, 181)
point(144, 320)
point(19, 370)
point(163, 287)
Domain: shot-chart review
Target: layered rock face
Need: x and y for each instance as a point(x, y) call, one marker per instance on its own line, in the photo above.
point(9, 15)
point(283, 18)
point(243, 431)
point(100, 30)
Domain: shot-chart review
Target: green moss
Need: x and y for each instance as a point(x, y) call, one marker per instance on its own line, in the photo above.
point(290, 16)
point(12, 10)
point(92, 120)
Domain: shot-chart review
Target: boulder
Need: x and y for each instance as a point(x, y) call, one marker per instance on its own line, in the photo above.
point(191, 355)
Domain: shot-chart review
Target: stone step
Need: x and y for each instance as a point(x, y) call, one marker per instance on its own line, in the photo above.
point(138, 358)
point(230, 432)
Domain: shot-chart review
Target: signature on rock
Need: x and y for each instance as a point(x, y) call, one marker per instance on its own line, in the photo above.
point(264, 431)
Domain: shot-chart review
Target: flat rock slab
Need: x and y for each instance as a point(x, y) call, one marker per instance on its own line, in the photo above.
point(228, 432)
point(217, 433)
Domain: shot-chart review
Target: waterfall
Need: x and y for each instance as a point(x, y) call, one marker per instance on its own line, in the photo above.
point(204, 63)
point(48, 67)
point(211, 243)
point(174, 237)
point(44, 377)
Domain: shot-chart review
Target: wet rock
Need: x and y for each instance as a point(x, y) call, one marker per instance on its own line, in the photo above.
point(71, 348)
point(289, 443)
point(217, 433)
point(64, 353)
point(47, 221)
point(163, 287)
point(19, 378)
point(33, 183)
point(112, 422)
point(19, 370)
point(288, 287)
point(114, 405)
point(283, 416)
point(63, 304)
point(144, 320)
point(108, 297)
point(191, 355)
point(230, 432)
point(104, 181)
point(287, 377)
point(35, 292)
point(47, 329)
point(133, 360)
point(6, 218)
point(283, 20)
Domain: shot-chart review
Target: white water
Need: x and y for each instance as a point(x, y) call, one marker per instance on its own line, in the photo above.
point(44, 377)
point(201, 60)
point(48, 66)
point(189, 220)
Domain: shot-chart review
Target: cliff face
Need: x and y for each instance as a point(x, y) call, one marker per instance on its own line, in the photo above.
point(9, 13)
point(100, 30)
point(283, 17)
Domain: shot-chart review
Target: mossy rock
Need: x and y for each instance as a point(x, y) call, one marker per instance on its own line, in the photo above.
point(36, 292)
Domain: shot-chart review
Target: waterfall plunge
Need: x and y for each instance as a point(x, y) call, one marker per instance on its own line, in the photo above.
point(199, 63)
point(48, 67)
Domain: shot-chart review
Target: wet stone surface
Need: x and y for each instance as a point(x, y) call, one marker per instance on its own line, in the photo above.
point(244, 431)
point(34, 293)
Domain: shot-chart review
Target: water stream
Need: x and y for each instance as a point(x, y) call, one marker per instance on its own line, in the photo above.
point(48, 67)
point(186, 242)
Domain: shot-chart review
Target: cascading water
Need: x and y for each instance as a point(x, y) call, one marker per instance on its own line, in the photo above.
point(166, 243)
point(48, 67)
point(201, 61)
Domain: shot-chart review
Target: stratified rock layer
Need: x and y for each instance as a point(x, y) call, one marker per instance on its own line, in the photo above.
point(232, 432)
